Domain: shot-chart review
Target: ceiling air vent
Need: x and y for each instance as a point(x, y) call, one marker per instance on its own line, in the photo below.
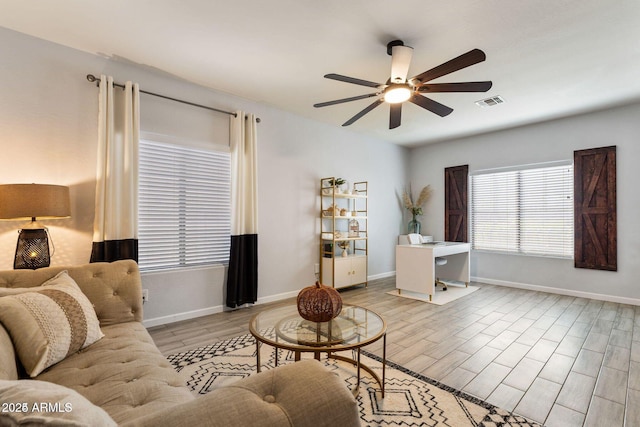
point(490, 102)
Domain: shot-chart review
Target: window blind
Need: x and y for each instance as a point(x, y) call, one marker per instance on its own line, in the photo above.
point(527, 211)
point(184, 210)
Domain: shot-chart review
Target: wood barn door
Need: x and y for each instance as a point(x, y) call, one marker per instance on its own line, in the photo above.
point(456, 181)
point(595, 223)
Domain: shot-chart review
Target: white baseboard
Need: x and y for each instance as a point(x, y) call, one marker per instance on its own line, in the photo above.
point(278, 297)
point(177, 317)
point(381, 275)
point(163, 320)
point(560, 291)
point(156, 321)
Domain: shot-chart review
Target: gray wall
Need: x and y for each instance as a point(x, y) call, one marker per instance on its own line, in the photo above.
point(553, 140)
point(48, 126)
point(48, 123)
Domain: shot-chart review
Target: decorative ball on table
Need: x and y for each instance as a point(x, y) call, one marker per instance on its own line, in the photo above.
point(319, 303)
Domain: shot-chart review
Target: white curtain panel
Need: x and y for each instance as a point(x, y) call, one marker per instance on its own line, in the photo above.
point(242, 275)
point(244, 174)
point(115, 230)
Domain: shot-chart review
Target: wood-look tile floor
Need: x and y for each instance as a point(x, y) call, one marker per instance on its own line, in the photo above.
point(559, 360)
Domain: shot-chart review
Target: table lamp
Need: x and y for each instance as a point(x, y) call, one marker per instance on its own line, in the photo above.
point(31, 201)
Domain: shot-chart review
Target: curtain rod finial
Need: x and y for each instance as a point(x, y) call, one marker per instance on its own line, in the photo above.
point(91, 78)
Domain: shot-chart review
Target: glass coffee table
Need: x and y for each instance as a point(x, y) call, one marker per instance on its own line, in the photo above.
point(354, 328)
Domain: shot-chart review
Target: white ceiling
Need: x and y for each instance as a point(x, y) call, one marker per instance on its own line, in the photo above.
point(546, 58)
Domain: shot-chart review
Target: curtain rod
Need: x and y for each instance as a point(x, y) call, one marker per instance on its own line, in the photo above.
point(91, 78)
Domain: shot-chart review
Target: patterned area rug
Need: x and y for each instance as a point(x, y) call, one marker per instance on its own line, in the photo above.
point(410, 399)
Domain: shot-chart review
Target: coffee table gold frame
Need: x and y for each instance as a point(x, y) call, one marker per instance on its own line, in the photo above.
point(324, 342)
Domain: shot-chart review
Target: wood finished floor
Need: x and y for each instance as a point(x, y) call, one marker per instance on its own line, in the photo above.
point(559, 360)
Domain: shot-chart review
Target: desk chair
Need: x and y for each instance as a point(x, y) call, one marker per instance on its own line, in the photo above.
point(441, 261)
point(416, 239)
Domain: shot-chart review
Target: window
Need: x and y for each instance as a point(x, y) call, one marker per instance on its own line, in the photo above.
point(526, 210)
point(184, 206)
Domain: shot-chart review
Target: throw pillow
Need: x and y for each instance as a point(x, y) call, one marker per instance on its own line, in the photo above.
point(31, 402)
point(49, 323)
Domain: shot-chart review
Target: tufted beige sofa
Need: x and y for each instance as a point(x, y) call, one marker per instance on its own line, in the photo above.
point(125, 374)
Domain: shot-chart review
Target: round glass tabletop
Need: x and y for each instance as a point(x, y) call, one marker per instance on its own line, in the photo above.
point(283, 327)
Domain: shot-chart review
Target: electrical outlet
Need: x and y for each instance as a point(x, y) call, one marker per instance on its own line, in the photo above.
point(145, 295)
point(316, 268)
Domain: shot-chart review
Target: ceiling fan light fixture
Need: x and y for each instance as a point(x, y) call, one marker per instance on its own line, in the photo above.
point(399, 89)
point(400, 61)
point(397, 93)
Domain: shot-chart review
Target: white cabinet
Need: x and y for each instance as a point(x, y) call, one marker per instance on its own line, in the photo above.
point(343, 228)
point(347, 271)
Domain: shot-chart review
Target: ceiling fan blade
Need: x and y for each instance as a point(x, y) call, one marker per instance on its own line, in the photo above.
point(363, 112)
point(353, 80)
point(431, 105)
point(456, 87)
point(400, 61)
point(465, 60)
point(340, 101)
point(395, 115)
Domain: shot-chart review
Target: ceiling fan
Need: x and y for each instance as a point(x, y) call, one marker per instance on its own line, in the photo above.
point(398, 89)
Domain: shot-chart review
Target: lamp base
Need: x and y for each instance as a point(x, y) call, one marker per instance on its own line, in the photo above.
point(32, 250)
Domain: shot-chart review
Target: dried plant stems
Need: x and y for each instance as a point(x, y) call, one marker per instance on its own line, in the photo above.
point(416, 208)
point(424, 196)
point(406, 198)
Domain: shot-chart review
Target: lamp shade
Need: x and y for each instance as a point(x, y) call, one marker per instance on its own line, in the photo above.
point(26, 201)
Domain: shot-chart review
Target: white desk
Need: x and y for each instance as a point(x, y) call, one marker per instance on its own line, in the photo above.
point(416, 269)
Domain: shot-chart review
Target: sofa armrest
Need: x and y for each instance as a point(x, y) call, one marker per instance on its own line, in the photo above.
point(300, 394)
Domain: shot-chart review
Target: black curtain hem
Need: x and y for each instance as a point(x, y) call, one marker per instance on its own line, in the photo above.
point(114, 250)
point(242, 276)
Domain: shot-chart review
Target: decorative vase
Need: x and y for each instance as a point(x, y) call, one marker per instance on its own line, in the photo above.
point(414, 226)
point(319, 303)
